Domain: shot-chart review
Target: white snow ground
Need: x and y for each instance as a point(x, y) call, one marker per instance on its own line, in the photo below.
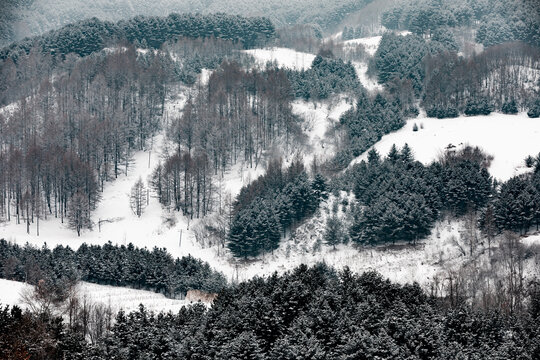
point(117, 297)
point(284, 57)
point(509, 138)
point(320, 119)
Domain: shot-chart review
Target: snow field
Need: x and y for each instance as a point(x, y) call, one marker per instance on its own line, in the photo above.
point(509, 138)
point(284, 57)
point(117, 297)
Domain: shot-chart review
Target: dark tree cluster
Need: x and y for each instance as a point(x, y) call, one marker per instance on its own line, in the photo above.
point(366, 123)
point(88, 36)
point(193, 55)
point(270, 206)
point(317, 313)
point(399, 199)
point(496, 21)
point(496, 79)
point(402, 57)
point(26, 335)
point(325, 77)
point(515, 206)
point(350, 33)
point(236, 117)
point(109, 264)
point(76, 131)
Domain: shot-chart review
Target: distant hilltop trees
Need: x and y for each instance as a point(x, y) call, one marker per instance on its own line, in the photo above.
point(88, 36)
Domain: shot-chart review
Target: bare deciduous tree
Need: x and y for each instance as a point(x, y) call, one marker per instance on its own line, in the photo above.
point(138, 198)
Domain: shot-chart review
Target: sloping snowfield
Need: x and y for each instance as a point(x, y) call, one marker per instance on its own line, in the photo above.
point(117, 297)
point(509, 138)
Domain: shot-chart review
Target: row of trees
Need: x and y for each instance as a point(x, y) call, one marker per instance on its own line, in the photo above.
point(497, 79)
point(88, 36)
point(496, 21)
point(325, 77)
point(109, 264)
point(402, 57)
point(399, 199)
point(306, 313)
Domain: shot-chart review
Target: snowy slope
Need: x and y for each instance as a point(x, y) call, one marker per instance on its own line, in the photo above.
point(117, 297)
point(286, 58)
point(509, 138)
point(319, 119)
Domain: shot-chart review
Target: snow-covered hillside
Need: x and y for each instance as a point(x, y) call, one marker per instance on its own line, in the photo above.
point(509, 138)
point(116, 297)
point(320, 118)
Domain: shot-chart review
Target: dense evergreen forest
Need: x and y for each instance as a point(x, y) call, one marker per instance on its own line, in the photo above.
point(272, 204)
point(308, 313)
point(88, 36)
point(128, 266)
point(497, 21)
point(27, 18)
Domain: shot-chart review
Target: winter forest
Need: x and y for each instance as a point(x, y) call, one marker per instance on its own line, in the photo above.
point(270, 180)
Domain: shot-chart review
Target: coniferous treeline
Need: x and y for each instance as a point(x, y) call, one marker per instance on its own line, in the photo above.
point(515, 206)
point(88, 36)
point(401, 57)
point(399, 199)
point(325, 77)
point(313, 313)
point(498, 78)
point(109, 264)
point(496, 21)
point(365, 124)
point(236, 117)
point(271, 205)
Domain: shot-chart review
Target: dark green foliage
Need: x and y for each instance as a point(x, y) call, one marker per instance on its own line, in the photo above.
point(478, 106)
point(510, 107)
point(26, 335)
point(445, 38)
point(111, 265)
point(534, 108)
point(401, 57)
point(316, 313)
point(271, 205)
point(496, 21)
point(88, 36)
point(516, 206)
point(334, 233)
point(466, 183)
point(397, 197)
point(367, 123)
point(442, 112)
point(495, 31)
point(326, 76)
point(529, 161)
